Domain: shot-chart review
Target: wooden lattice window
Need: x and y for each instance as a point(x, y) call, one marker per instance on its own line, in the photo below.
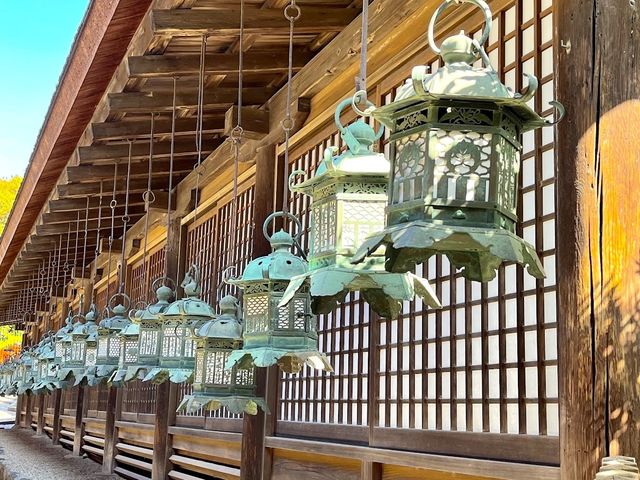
point(486, 362)
point(143, 273)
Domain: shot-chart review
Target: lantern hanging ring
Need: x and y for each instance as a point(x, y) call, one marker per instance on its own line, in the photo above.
point(360, 96)
point(292, 12)
point(164, 281)
point(292, 178)
point(78, 316)
point(125, 298)
point(488, 19)
point(288, 215)
point(352, 101)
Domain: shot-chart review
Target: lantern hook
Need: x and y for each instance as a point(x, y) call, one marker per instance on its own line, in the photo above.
point(171, 283)
point(488, 19)
point(366, 113)
point(273, 216)
point(292, 178)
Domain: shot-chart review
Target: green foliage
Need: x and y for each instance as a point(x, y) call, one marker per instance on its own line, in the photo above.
point(8, 191)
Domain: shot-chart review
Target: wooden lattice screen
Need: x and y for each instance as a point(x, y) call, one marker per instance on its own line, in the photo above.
point(143, 273)
point(209, 246)
point(486, 362)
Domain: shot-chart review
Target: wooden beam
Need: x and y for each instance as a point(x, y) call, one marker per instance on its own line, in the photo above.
point(94, 213)
point(113, 410)
point(255, 123)
point(267, 62)
point(225, 22)
point(81, 406)
point(139, 129)
point(140, 169)
point(61, 228)
point(144, 102)
point(57, 405)
point(140, 151)
point(598, 231)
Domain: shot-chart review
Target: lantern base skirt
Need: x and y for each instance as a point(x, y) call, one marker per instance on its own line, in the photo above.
point(477, 251)
point(45, 387)
point(384, 291)
point(25, 388)
point(103, 373)
point(160, 375)
point(127, 374)
point(290, 361)
point(69, 376)
point(235, 404)
point(87, 377)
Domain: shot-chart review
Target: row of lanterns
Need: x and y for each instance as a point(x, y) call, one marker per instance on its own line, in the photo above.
point(449, 188)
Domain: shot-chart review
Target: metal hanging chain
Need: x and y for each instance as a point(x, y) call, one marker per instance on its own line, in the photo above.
point(125, 222)
point(167, 247)
point(292, 13)
point(86, 235)
point(98, 228)
point(148, 197)
point(113, 204)
point(199, 123)
point(361, 80)
point(236, 139)
point(58, 263)
point(74, 272)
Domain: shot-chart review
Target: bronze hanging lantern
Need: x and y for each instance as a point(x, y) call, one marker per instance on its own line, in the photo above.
point(213, 385)
point(287, 335)
point(140, 350)
point(349, 194)
point(455, 159)
point(47, 375)
point(73, 367)
point(175, 343)
point(86, 375)
point(25, 374)
point(108, 353)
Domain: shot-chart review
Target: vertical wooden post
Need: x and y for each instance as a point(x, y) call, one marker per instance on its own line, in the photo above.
point(598, 222)
point(164, 418)
point(114, 402)
point(57, 404)
point(19, 410)
point(255, 426)
point(27, 411)
point(40, 429)
point(79, 424)
point(165, 414)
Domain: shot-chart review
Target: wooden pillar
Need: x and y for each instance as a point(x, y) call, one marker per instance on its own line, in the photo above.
point(114, 404)
point(256, 426)
point(27, 410)
point(164, 418)
point(81, 408)
point(165, 414)
point(40, 428)
point(598, 223)
point(19, 410)
point(57, 405)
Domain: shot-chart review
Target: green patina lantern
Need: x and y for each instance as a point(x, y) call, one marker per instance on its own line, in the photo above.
point(47, 377)
point(73, 367)
point(86, 373)
point(213, 385)
point(349, 193)
point(12, 385)
point(140, 352)
point(6, 377)
point(175, 343)
point(455, 158)
point(286, 335)
point(25, 373)
point(62, 341)
point(108, 353)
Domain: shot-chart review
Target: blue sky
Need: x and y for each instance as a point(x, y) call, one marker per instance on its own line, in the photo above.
point(35, 39)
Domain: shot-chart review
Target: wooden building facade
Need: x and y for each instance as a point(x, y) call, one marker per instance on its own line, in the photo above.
point(512, 379)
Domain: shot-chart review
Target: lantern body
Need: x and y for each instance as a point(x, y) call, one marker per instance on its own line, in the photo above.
point(48, 368)
point(455, 158)
point(349, 194)
point(288, 334)
point(25, 373)
point(109, 343)
point(174, 325)
point(213, 385)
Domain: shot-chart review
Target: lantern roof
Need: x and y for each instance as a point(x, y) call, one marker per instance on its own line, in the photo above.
point(226, 325)
point(131, 330)
point(117, 321)
point(280, 264)
point(151, 313)
point(459, 80)
point(190, 306)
